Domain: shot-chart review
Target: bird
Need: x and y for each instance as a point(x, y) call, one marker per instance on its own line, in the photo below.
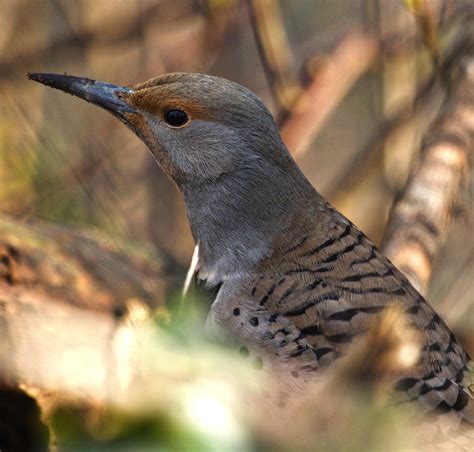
point(296, 282)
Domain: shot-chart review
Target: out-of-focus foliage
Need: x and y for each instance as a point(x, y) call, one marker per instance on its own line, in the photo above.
point(181, 392)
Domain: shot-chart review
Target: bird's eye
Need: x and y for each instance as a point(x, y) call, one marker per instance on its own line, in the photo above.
point(176, 118)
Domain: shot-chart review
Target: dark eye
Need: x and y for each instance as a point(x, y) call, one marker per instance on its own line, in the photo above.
point(176, 118)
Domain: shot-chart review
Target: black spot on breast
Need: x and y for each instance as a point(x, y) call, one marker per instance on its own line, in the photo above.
point(236, 311)
point(253, 321)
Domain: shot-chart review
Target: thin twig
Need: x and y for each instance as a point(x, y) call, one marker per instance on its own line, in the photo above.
point(274, 50)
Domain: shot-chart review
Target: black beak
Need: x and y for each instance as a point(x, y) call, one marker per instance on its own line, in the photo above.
point(105, 95)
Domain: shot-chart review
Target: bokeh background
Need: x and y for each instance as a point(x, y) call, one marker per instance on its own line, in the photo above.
point(64, 162)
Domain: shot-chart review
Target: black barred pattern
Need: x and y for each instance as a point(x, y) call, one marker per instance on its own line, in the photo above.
point(320, 352)
point(348, 314)
point(365, 260)
point(329, 291)
point(406, 384)
point(331, 296)
point(298, 245)
point(341, 338)
point(312, 330)
point(360, 277)
point(413, 310)
point(338, 254)
point(319, 248)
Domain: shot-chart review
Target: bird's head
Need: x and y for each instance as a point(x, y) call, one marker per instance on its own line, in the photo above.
point(198, 127)
point(219, 143)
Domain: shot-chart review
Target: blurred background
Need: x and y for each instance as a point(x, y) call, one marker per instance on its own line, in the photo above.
point(364, 67)
point(63, 161)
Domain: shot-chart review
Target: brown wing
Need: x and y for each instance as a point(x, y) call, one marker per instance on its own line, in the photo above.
point(304, 309)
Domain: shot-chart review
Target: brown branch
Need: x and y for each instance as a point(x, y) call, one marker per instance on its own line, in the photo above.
point(351, 58)
point(274, 51)
point(57, 351)
point(394, 46)
point(353, 171)
point(421, 217)
point(456, 306)
point(74, 268)
point(64, 295)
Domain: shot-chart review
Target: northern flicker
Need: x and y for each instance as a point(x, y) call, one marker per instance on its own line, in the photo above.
point(297, 281)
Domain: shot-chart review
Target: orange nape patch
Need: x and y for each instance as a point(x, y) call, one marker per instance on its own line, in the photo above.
point(157, 100)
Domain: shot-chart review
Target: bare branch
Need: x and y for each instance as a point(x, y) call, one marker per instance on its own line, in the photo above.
point(353, 171)
point(351, 58)
point(274, 50)
point(74, 268)
point(421, 217)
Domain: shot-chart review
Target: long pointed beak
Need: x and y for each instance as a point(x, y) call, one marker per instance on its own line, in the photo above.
point(105, 95)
